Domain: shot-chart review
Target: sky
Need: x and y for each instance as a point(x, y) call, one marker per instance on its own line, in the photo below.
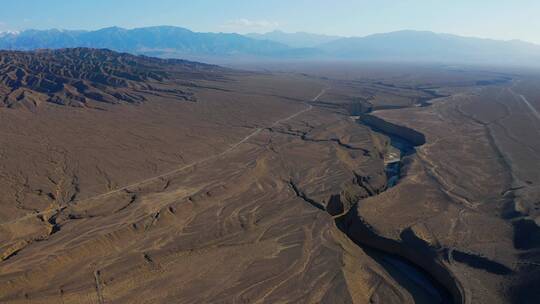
point(497, 19)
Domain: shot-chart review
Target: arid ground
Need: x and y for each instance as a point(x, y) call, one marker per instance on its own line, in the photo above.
point(130, 179)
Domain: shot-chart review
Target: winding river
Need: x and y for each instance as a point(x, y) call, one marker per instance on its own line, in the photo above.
point(420, 284)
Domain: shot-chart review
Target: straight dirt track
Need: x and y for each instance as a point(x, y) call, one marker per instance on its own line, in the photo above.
point(170, 173)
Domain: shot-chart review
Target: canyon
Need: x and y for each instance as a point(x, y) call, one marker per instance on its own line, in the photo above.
point(131, 179)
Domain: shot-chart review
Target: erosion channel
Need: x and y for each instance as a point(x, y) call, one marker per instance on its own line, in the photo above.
point(423, 286)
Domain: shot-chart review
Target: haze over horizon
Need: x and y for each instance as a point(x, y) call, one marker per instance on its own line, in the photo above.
point(482, 19)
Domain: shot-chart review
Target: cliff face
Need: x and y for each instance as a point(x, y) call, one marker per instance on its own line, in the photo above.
point(464, 211)
point(414, 137)
point(358, 107)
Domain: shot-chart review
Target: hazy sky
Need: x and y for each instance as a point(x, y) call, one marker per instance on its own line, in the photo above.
point(500, 19)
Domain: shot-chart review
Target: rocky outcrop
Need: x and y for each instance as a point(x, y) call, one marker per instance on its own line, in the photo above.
point(76, 76)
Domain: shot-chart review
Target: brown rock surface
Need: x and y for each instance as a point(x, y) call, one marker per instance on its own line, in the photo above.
point(219, 186)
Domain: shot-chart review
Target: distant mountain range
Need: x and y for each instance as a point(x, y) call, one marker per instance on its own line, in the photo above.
point(177, 42)
point(433, 47)
point(295, 40)
point(159, 39)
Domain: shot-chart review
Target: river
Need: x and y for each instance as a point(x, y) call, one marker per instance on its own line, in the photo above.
point(419, 283)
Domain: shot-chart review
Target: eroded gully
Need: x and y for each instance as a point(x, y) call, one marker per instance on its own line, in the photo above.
point(415, 269)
